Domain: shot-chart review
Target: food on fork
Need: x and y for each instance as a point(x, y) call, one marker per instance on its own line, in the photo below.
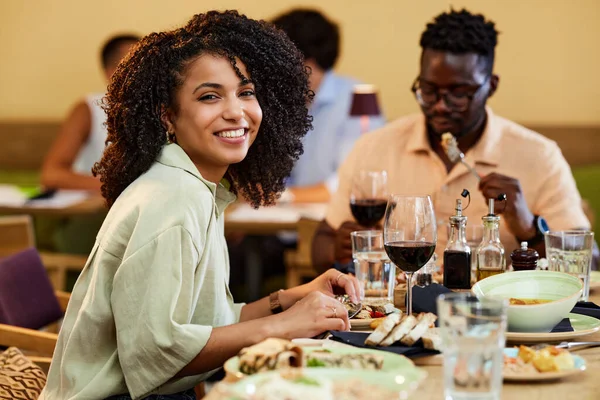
point(448, 140)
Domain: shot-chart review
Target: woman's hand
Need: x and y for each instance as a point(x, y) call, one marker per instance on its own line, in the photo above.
point(311, 316)
point(334, 282)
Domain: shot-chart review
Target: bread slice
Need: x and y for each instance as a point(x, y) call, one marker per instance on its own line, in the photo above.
point(400, 330)
point(432, 339)
point(383, 329)
point(426, 321)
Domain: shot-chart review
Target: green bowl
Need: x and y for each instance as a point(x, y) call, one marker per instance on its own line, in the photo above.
point(562, 289)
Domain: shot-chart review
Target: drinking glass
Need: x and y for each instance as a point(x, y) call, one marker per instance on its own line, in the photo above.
point(372, 267)
point(571, 252)
point(409, 235)
point(368, 197)
point(473, 334)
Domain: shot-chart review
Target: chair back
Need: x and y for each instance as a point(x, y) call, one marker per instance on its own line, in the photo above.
point(16, 234)
point(27, 297)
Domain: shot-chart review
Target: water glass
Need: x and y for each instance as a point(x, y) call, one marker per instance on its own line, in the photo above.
point(372, 267)
point(473, 338)
point(571, 252)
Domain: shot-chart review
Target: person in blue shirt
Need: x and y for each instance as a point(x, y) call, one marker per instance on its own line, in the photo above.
point(334, 132)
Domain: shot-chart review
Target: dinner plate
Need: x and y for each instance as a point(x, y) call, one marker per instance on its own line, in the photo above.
point(541, 376)
point(595, 280)
point(392, 363)
point(582, 325)
point(404, 382)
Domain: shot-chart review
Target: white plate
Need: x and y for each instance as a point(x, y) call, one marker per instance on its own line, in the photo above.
point(403, 383)
point(582, 325)
point(542, 376)
point(392, 363)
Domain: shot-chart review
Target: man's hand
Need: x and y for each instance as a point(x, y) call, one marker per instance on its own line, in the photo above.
point(517, 215)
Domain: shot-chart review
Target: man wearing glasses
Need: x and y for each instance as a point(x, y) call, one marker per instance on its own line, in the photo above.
point(456, 78)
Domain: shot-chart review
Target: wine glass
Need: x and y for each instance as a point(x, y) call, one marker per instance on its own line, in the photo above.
point(409, 235)
point(368, 197)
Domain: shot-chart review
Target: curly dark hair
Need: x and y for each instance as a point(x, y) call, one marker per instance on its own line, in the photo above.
point(146, 82)
point(316, 36)
point(461, 32)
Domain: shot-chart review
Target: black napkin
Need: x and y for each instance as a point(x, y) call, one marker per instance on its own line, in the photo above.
point(587, 308)
point(357, 339)
point(425, 298)
point(563, 326)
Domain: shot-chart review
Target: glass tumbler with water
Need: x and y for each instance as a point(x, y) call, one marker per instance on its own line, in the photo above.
point(373, 268)
point(473, 338)
point(571, 252)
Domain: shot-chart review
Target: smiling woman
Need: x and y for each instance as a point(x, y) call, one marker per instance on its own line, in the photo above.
point(223, 98)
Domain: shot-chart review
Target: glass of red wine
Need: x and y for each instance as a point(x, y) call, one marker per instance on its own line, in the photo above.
point(368, 197)
point(409, 235)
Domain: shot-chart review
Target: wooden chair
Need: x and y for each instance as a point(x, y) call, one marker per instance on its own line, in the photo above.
point(16, 234)
point(298, 262)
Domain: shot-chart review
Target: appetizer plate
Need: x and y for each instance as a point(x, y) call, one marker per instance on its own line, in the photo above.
point(403, 383)
point(582, 325)
point(541, 376)
point(392, 363)
point(363, 324)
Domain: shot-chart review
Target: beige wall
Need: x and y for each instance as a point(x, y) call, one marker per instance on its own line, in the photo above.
point(548, 53)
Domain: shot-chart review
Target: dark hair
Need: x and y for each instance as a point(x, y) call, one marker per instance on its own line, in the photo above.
point(316, 36)
point(145, 84)
point(109, 50)
point(461, 32)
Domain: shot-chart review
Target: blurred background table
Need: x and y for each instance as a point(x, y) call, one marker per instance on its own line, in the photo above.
point(281, 219)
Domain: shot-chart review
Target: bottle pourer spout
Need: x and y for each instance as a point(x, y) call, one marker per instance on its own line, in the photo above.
point(490, 206)
point(458, 208)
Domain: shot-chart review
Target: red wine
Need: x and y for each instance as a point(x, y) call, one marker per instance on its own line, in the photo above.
point(409, 256)
point(457, 269)
point(368, 212)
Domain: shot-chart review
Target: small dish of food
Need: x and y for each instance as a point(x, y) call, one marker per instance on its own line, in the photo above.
point(548, 363)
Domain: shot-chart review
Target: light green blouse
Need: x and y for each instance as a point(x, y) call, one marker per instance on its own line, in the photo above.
point(154, 285)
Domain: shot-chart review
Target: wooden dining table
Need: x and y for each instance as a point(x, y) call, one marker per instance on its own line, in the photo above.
point(582, 386)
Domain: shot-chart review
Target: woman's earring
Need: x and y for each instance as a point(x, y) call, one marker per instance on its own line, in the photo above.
point(170, 137)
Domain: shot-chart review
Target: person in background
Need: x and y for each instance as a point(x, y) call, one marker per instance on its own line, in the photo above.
point(455, 80)
point(314, 176)
point(81, 139)
point(196, 116)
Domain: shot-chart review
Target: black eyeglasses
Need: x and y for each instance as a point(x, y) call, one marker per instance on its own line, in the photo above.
point(455, 99)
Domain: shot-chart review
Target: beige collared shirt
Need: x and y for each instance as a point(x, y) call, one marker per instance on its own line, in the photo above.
point(154, 286)
point(402, 149)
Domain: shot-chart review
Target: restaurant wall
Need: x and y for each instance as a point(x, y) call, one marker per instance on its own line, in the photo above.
point(547, 55)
